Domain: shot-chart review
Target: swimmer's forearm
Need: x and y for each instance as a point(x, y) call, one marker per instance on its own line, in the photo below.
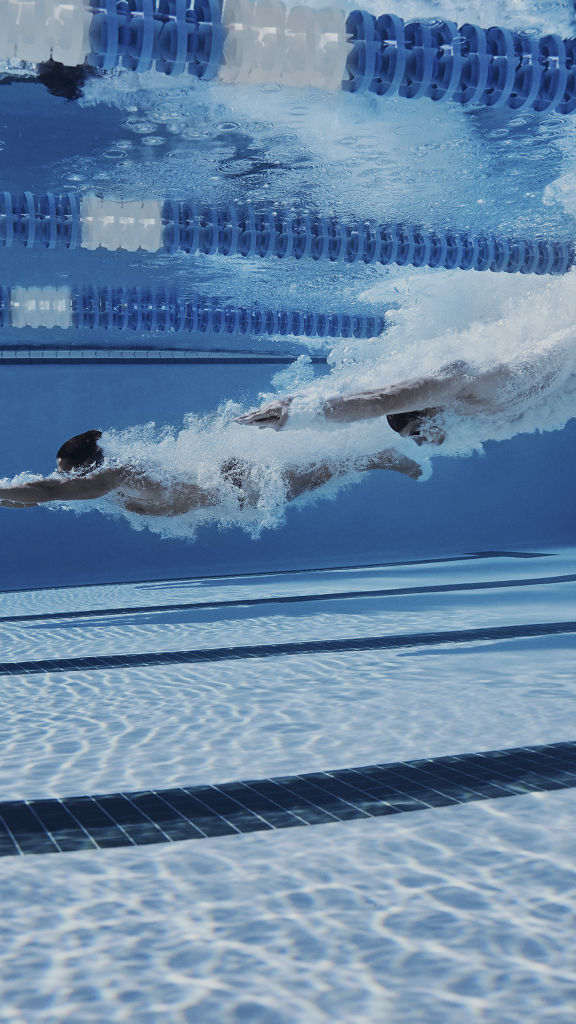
point(452, 381)
point(37, 492)
point(24, 495)
point(405, 397)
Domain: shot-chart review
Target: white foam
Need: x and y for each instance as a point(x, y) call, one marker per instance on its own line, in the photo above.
point(528, 325)
point(484, 319)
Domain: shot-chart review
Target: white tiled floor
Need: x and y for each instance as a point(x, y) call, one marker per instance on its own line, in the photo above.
point(283, 623)
point(453, 915)
point(461, 914)
point(280, 584)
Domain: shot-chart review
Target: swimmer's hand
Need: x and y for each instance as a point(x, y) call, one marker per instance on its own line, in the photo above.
point(273, 415)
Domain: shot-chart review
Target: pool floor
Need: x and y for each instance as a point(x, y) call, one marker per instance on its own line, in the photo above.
point(125, 696)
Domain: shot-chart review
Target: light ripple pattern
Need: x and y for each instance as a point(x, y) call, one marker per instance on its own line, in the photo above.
point(435, 918)
point(130, 729)
point(450, 568)
point(206, 629)
point(459, 912)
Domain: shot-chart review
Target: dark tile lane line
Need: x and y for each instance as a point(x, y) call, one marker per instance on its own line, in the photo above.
point(197, 812)
point(160, 583)
point(366, 643)
point(441, 588)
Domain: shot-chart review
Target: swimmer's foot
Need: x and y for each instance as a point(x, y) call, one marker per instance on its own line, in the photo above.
point(273, 415)
point(390, 459)
point(409, 468)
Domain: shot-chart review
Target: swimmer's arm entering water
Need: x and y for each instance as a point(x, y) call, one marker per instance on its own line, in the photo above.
point(363, 405)
point(420, 393)
point(78, 488)
point(458, 382)
point(455, 382)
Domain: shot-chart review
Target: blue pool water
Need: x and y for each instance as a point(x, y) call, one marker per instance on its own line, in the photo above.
point(287, 682)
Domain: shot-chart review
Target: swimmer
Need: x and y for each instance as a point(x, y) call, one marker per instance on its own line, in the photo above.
point(57, 78)
point(413, 408)
point(82, 475)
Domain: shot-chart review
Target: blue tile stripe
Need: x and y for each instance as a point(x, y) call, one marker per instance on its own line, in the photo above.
point(195, 812)
point(365, 643)
point(251, 602)
point(50, 355)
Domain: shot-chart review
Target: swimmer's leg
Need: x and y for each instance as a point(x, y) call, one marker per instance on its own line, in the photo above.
point(309, 478)
point(389, 459)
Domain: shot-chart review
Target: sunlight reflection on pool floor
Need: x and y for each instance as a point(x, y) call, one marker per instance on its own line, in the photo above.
point(436, 917)
point(433, 917)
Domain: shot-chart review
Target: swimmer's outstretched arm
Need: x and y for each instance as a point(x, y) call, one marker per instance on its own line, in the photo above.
point(455, 381)
point(81, 488)
point(419, 393)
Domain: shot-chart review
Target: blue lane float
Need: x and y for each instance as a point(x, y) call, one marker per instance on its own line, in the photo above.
point(146, 310)
point(464, 64)
point(172, 36)
point(90, 222)
point(289, 234)
point(264, 41)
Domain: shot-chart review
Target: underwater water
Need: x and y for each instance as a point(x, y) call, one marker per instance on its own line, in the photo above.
point(269, 659)
point(131, 136)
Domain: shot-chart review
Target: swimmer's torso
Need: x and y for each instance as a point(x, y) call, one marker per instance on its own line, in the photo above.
point(146, 497)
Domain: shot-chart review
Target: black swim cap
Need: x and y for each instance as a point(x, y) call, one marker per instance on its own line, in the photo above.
point(81, 452)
